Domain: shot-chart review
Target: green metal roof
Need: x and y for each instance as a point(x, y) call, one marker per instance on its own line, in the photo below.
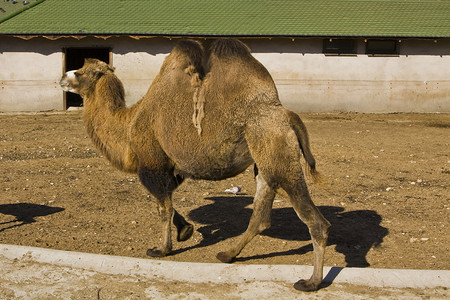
point(10, 8)
point(351, 18)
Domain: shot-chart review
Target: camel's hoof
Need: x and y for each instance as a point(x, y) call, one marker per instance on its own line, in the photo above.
point(155, 252)
point(225, 258)
point(185, 233)
point(306, 286)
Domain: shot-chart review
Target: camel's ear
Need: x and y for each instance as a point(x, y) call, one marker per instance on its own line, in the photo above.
point(90, 61)
point(104, 68)
point(100, 67)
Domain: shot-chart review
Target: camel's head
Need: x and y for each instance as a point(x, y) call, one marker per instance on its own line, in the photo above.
point(82, 80)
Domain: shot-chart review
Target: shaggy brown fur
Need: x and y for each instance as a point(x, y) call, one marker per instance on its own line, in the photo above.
point(201, 125)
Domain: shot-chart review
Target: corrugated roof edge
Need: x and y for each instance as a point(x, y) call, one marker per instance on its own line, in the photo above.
point(54, 36)
point(21, 10)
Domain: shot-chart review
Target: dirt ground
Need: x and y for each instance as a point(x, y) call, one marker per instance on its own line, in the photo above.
point(386, 195)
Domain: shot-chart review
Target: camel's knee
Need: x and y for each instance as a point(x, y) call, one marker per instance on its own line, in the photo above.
point(318, 225)
point(319, 230)
point(264, 226)
point(165, 213)
point(258, 223)
point(265, 219)
point(263, 204)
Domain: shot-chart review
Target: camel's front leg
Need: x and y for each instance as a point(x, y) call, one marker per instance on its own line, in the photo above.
point(184, 228)
point(161, 184)
point(166, 212)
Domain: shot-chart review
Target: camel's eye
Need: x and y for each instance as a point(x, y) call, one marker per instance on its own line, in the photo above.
point(77, 74)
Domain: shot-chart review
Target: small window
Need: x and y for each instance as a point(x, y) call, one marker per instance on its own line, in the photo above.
point(339, 46)
point(381, 47)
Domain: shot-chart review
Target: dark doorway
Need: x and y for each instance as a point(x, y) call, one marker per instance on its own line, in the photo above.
point(74, 59)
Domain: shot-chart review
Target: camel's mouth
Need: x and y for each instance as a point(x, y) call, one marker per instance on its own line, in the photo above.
point(66, 82)
point(64, 85)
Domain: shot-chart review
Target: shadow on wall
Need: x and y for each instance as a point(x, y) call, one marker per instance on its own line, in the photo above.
point(124, 45)
point(439, 47)
point(118, 45)
point(354, 233)
point(25, 213)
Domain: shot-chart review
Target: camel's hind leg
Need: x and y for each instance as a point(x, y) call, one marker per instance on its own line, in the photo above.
point(259, 221)
point(276, 151)
point(318, 228)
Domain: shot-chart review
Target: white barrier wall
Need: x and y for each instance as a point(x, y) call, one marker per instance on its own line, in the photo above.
point(417, 80)
point(29, 72)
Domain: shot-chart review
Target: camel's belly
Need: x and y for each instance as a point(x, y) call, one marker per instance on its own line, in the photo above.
point(212, 173)
point(214, 162)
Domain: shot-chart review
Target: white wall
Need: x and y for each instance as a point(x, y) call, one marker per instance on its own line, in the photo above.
point(418, 80)
point(29, 79)
point(30, 70)
point(138, 62)
point(309, 81)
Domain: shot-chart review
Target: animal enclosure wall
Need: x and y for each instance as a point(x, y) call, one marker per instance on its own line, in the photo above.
point(415, 80)
point(29, 72)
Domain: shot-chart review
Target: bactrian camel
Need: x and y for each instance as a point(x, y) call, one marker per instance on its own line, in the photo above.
point(207, 115)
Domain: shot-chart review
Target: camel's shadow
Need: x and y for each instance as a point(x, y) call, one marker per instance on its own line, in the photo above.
point(25, 213)
point(353, 233)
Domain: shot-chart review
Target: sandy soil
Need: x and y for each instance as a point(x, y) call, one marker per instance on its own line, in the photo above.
point(386, 195)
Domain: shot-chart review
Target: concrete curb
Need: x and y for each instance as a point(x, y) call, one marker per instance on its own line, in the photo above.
point(225, 273)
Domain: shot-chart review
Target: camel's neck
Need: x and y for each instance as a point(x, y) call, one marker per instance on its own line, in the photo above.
point(107, 121)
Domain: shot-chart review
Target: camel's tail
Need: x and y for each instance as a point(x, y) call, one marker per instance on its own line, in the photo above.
point(303, 139)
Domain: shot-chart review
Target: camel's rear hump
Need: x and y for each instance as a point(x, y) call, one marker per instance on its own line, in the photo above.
point(238, 77)
point(232, 53)
point(226, 48)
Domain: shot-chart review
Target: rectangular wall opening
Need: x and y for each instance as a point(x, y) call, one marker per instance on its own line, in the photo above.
point(74, 59)
point(382, 47)
point(339, 47)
